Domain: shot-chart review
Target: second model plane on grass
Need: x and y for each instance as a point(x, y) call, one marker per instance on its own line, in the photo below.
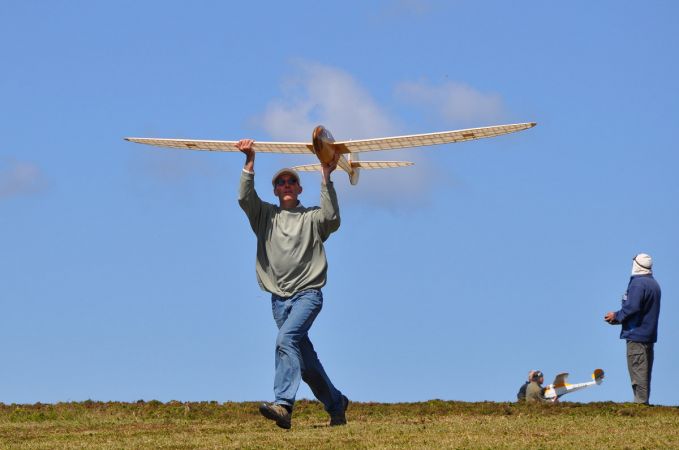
point(324, 146)
point(560, 387)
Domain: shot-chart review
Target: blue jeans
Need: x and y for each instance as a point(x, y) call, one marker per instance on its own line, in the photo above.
point(295, 356)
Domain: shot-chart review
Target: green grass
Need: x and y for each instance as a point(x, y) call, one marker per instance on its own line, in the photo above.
point(432, 424)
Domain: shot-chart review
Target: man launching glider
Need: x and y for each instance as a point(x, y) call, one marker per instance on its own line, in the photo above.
point(291, 265)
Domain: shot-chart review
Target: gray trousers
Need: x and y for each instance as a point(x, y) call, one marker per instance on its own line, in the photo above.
point(640, 366)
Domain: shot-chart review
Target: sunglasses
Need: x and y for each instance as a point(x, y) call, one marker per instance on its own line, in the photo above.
point(289, 182)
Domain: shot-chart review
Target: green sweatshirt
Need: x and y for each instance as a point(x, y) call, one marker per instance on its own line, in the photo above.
point(290, 254)
point(536, 393)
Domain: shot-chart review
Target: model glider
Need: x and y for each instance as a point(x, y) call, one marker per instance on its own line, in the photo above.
point(324, 146)
point(560, 387)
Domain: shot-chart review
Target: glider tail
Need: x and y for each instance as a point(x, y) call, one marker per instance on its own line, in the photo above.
point(356, 165)
point(353, 162)
point(598, 376)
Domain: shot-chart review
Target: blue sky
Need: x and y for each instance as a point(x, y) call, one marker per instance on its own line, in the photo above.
point(127, 272)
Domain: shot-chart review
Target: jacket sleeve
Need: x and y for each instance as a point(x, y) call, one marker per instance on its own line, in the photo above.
point(632, 305)
point(249, 201)
point(328, 215)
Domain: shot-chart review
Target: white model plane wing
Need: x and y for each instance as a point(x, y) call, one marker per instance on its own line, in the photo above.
point(326, 149)
point(420, 140)
point(365, 145)
point(225, 146)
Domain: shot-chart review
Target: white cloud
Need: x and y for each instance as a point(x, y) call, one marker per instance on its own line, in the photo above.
point(325, 95)
point(19, 178)
point(319, 94)
point(453, 101)
point(288, 121)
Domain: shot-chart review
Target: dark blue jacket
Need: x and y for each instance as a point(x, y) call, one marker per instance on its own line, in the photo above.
point(640, 310)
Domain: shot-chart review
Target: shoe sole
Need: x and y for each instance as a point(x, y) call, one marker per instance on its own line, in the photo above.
point(271, 415)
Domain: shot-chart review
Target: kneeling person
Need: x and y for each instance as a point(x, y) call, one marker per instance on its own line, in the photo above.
point(535, 392)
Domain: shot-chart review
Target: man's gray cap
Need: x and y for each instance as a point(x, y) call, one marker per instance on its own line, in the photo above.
point(292, 172)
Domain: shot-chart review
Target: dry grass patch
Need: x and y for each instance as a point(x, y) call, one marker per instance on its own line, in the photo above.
point(432, 424)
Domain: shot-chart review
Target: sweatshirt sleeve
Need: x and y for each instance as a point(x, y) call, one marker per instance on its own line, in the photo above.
point(248, 199)
point(329, 215)
point(631, 306)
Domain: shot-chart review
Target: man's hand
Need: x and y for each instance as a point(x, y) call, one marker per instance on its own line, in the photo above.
point(245, 146)
point(610, 318)
point(327, 169)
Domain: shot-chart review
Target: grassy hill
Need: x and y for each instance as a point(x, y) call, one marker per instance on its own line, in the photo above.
point(432, 424)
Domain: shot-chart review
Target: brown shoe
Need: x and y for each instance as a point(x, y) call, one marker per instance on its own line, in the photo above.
point(279, 413)
point(340, 417)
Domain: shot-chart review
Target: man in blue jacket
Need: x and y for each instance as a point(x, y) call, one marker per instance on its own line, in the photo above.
point(639, 319)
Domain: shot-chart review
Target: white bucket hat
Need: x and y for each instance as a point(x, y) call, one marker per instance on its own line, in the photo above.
point(642, 264)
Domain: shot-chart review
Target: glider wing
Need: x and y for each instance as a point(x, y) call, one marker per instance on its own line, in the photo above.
point(225, 146)
point(420, 140)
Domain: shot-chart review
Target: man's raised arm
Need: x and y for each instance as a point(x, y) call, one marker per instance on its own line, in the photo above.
point(245, 146)
point(330, 215)
point(248, 199)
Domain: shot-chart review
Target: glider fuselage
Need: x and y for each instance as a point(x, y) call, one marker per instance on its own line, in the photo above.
point(560, 387)
point(325, 148)
point(323, 143)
